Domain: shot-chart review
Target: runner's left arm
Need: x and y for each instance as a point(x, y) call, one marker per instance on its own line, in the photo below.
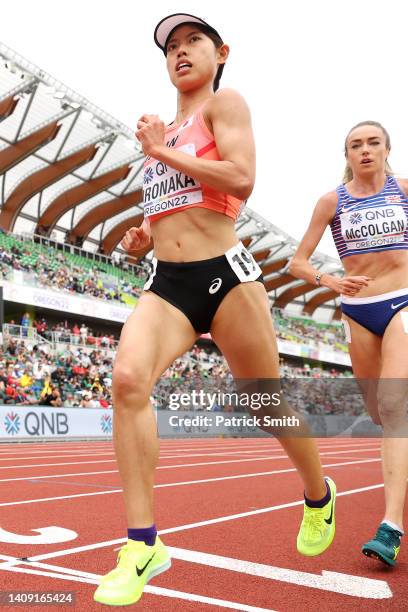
point(231, 122)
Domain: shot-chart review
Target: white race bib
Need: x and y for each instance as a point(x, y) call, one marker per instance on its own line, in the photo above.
point(368, 228)
point(165, 188)
point(243, 264)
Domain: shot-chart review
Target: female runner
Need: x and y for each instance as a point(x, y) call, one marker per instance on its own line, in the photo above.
point(198, 172)
point(368, 216)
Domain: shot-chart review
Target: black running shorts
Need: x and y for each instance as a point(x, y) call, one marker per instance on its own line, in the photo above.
point(197, 288)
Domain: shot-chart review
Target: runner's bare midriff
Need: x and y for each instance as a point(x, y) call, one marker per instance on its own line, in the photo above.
point(192, 235)
point(389, 271)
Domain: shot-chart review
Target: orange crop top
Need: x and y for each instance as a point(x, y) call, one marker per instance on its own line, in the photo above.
point(166, 190)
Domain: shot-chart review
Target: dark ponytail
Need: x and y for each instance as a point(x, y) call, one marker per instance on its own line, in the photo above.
point(218, 42)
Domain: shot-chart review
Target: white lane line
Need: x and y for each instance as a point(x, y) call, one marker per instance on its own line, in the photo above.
point(16, 446)
point(93, 451)
point(345, 584)
point(160, 467)
point(342, 457)
point(52, 451)
point(363, 450)
point(164, 467)
point(94, 579)
point(67, 456)
point(171, 443)
point(283, 471)
point(221, 519)
point(7, 559)
point(26, 467)
point(182, 456)
point(355, 450)
point(171, 484)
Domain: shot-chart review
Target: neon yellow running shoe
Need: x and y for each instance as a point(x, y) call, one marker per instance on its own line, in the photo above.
point(318, 527)
point(137, 563)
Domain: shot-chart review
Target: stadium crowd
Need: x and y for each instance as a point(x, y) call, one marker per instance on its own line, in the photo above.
point(47, 267)
point(74, 367)
point(32, 374)
point(57, 273)
point(308, 331)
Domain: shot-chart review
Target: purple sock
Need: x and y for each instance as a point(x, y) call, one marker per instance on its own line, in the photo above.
point(146, 535)
point(312, 503)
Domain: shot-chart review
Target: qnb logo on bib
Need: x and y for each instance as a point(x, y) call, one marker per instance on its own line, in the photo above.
point(356, 218)
point(374, 227)
point(215, 285)
point(148, 176)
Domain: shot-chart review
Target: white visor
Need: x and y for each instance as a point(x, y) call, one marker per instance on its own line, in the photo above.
point(168, 24)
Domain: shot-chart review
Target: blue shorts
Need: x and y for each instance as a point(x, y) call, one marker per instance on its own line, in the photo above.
point(375, 312)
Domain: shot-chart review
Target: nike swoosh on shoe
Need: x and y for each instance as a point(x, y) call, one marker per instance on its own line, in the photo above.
point(140, 571)
point(330, 519)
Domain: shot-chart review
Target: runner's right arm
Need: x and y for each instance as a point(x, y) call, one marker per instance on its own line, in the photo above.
point(137, 237)
point(301, 267)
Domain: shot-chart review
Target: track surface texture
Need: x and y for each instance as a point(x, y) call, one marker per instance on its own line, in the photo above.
point(229, 511)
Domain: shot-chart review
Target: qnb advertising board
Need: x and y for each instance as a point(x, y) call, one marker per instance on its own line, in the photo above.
point(36, 422)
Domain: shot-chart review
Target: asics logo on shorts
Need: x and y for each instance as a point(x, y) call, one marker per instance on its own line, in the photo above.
point(215, 285)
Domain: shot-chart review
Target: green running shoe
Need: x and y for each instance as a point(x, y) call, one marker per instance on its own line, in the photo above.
point(318, 527)
point(137, 563)
point(385, 545)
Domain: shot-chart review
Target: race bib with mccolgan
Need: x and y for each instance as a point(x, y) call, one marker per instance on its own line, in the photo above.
point(372, 227)
point(165, 188)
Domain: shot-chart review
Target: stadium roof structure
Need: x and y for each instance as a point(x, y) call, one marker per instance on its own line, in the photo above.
point(72, 172)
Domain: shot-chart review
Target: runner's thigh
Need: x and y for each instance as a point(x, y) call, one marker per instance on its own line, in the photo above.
point(155, 334)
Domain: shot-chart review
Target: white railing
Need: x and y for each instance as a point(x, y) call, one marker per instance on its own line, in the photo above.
point(57, 340)
point(21, 332)
point(66, 337)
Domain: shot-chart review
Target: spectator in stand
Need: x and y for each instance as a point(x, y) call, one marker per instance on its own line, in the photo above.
point(25, 320)
point(12, 347)
point(15, 395)
point(58, 376)
point(105, 340)
point(86, 399)
point(91, 338)
point(51, 397)
point(30, 397)
point(3, 376)
point(70, 401)
point(40, 370)
point(12, 379)
point(107, 381)
point(83, 333)
point(94, 401)
point(104, 403)
point(26, 381)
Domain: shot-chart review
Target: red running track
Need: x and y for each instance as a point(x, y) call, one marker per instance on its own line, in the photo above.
point(228, 509)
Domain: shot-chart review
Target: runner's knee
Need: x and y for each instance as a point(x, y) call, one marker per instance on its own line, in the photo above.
point(130, 386)
point(392, 408)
